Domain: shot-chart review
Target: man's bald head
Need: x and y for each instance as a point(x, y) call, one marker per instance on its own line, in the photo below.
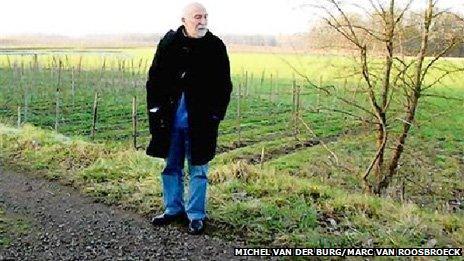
point(192, 7)
point(195, 20)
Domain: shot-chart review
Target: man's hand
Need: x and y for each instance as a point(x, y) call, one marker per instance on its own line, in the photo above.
point(215, 117)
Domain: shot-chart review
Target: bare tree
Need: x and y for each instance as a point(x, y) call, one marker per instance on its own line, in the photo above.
point(393, 77)
point(323, 36)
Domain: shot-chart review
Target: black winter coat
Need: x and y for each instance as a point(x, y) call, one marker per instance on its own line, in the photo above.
point(199, 68)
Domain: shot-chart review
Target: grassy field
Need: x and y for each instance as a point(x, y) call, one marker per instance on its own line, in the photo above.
point(293, 194)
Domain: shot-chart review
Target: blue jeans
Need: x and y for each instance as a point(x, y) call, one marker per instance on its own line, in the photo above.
point(173, 178)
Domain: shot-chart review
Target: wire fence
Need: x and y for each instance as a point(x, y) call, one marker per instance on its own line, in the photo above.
point(107, 103)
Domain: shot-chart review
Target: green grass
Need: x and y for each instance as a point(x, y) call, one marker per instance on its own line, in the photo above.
point(300, 197)
point(268, 206)
point(117, 86)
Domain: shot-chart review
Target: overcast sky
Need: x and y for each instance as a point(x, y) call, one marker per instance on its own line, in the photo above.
point(76, 18)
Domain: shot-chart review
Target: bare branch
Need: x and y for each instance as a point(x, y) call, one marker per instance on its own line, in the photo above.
point(378, 9)
point(438, 80)
point(305, 77)
point(368, 31)
point(401, 15)
point(443, 97)
point(360, 118)
point(437, 57)
point(320, 140)
point(338, 28)
point(354, 104)
point(376, 157)
point(337, 6)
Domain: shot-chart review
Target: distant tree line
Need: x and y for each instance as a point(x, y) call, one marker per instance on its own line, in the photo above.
point(118, 40)
point(407, 40)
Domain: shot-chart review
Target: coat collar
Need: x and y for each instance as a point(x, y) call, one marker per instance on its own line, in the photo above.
point(180, 34)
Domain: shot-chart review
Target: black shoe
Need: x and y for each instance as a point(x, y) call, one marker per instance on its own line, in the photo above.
point(165, 219)
point(196, 227)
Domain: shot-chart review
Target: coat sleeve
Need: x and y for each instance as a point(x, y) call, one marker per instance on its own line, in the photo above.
point(155, 74)
point(224, 85)
point(156, 80)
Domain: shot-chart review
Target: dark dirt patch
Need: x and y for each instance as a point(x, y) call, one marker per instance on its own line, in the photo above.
point(287, 149)
point(224, 148)
point(294, 147)
point(65, 225)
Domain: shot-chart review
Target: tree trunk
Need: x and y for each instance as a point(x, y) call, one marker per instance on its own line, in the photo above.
point(412, 105)
point(381, 144)
point(382, 136)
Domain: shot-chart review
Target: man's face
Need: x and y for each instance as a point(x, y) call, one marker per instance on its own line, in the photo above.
point(196, 22)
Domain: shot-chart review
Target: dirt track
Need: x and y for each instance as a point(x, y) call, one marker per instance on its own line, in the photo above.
point(65, 225)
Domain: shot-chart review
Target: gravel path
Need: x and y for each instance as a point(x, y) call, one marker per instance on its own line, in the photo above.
point(65, 225)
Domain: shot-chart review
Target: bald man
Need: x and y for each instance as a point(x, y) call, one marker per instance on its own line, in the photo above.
point(188, 92)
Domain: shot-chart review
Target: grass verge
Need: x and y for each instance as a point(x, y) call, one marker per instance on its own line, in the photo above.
point(269, 206)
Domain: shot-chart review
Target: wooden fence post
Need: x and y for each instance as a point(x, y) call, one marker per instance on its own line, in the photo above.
point(8, 61)
point(19, 116)
point(140, 66)
point(57, 108)
point(262, 158)
point(94, 118)
point(23, 85)
point(112, 66)
point(79, 67)
point(276, 87)
point(134, 121)
point(297, 125)
point(294, 107)
point(26, 102)
point(57, 97)
point(246, 84)
point(134, 81)
point(238, 114)
point(36, 63)
point(251, 83)
point(102, 71)
point(73, 85)
point(262, 80)
point(318, 98)
point(270, 90)
point(123, 67)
